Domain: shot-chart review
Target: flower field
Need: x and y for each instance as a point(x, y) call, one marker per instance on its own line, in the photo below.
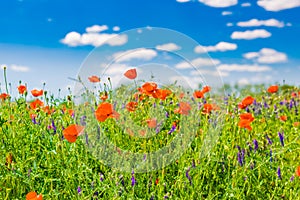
point(53, 148)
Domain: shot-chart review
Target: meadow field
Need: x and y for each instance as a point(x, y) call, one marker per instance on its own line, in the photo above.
point(53, 148)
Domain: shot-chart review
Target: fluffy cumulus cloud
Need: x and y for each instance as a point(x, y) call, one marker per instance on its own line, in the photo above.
point(278, 5)
point(198, 62)
point(139, 54)
point(229, 24)
point(116, 28)
point(219, 3)
point(267, 55)
point(243, 68)
point(221, 46)
point(226, 13)
point(250, 34)
point(256, 22)
point(168, 47)
point(74, 39)
point(94, 37)
point(96, 28)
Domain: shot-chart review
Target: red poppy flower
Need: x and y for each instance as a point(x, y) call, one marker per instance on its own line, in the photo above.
point(4, 96)
point(283, 118)
point(36, 104)
point(37, 93)
point(245, 124)
point(198, 94)
point(72, 132)
point(183, 109)
point(34, 196)
point(296, 124)
point(298, 171)
point(131, 74)
point(148, 88)
point(273, 89)
point(94, 79)
point(246, 102)
point(156, 181)
point(294, 94)
point(104, 96)
point(104, 111)
point(22, 89)
point(131, 106)
point(205, 89)
point(247, 116)
point(163, 93)
point(152, 123)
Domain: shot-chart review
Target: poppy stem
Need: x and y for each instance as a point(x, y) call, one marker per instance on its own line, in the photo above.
point(5, 79)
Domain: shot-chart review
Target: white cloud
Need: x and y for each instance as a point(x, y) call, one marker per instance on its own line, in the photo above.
point(168, 47)
point(226, 13)
point(277, 5)
point(243, 68)
point(96, 28)
point(229, 24)
point(219, 3)
point(246, 4)
point(74, 39)
point(250, 35)
point(256, 22)
point(267, 55)
point(221, 46)
point(116, 28)
point(140, 54)
point(183, 1)
point(198, 62)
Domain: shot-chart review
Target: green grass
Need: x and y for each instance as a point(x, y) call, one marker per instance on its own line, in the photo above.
point(44, 162)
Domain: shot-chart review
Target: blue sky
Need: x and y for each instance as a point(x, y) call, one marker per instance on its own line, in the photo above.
point(249, 41)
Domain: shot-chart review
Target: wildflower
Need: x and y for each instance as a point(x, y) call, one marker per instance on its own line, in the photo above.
point(72, 132)
point(104, 111)
point(269, 140)
point(79, 190)
point(131, 106)
point(298, 171)
point(152, 123)
point(22, 89)
point(273, 89)
point(188, 176)
point(4, 96)
point(279, 172)
point(37, 93)
point(183, 109)
point(239, 157)
point(156, 181)
point(205, 89)
point(104, 96)
point(34, 196)
point(94, 79)
point(149, 88)
point(255, 144)
point(295, 124)
point(163, 93)
point(133, 182)
point(246, 102)
point(198, 94)
point(292, 178)
point(281, 138)
point(173, 128)
point(131, 74)
point(283, 118)
point(36, 104)
point(245, 120)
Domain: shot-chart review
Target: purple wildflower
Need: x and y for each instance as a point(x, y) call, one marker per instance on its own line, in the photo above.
point(188, 176)
point(101, 177)
point(292, 178)
point(173, 128)
point(239, 157)
point(29, 171)
point(133, 181)
point(281, 138)
point(83, 120)
point(79, 190)
point(145, 157)
point(154, 105)
point(279, 172)
point(53, 126)
point(33, 120)
point(255, 144)
point(269, 140)
point(167, 115)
